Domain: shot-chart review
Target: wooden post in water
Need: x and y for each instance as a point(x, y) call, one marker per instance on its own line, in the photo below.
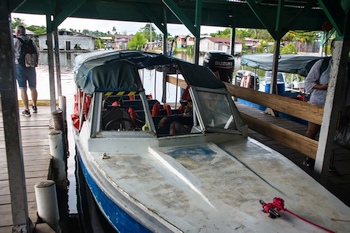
point(46, 199)
point(58, 124)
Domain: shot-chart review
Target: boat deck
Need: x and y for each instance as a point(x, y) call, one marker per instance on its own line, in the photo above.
point(337, 183)
point(35, 132)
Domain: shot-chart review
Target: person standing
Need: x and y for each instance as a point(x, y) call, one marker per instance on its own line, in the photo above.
point(25, 74)
point(316, 83)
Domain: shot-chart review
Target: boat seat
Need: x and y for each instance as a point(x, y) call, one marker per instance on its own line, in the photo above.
point(116, 119)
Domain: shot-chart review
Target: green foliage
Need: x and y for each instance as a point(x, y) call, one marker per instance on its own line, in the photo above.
point(17, 21)
point(301, 36)
point(38, 30)
point(289, 49)
point(263, 46)
point(222, 34)
point(137, 42)
point(98, 43)
point(190, 49)
point(260, 34)
point(146, 32)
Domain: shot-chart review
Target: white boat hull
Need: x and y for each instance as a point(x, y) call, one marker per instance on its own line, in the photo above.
point(208, 187)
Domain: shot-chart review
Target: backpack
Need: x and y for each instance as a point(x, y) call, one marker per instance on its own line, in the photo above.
point(28, 56)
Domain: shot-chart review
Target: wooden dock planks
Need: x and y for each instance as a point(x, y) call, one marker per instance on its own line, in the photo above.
point(36, 156)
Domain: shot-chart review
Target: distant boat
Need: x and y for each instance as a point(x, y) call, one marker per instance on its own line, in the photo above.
point(206, 177)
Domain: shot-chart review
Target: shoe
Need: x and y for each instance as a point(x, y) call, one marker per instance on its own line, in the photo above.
point(310, 163)
point(35, 109)
point(332, 168)
point(26, 113)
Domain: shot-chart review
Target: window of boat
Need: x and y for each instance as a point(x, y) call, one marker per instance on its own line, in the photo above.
point(215, 109)
point(122, 112)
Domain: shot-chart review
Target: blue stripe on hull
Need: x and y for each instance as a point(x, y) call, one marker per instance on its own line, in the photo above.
point(116, 216)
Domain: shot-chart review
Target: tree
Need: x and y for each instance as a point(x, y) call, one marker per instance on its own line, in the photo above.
point(98, 43)
point(222, 34)
point(289, 49)
point(262, 47)
point(146, 31)
point(86, 32)
point(137, 42)
point(38, 30)
point(17, 21)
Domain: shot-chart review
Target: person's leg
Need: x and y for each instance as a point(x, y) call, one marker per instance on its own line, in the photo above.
point(24, 98)
point(34, 94)
point(312, 131)
point(32, 86)
point(22, 85)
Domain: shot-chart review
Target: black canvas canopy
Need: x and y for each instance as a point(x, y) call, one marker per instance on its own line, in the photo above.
point(289, 63)
point(115, 71)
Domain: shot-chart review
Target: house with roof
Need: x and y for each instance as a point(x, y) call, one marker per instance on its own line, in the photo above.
point(121, 41)
point(219, 44)
point(108, 42)
point(69, 41)
point(183, 41)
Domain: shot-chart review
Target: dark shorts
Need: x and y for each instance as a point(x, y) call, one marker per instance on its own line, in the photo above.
point(24, 75)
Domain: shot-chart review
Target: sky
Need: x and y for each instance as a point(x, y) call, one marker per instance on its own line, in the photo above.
point(107, 25)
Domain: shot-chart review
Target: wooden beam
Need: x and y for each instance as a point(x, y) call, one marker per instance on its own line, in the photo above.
point(286, 137)
point(283, 104)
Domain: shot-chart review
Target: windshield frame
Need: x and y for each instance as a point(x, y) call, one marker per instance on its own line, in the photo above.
point(224, 113)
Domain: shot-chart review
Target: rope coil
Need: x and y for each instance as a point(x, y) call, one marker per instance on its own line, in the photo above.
point(277, 205)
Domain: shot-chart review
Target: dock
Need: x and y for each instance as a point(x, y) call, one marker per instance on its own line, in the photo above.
point(36, 154)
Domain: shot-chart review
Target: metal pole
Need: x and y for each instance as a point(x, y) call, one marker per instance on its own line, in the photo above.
point(58, 65)
point(11, 124)
point(51, 72)
point(198, 30)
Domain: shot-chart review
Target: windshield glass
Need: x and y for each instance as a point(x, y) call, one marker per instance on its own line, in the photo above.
point(215, 110)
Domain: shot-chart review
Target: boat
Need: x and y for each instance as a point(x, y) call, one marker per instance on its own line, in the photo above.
point(213, 178)
point(287, 63)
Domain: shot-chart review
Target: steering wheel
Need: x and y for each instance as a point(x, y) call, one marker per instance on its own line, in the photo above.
point(118, 122)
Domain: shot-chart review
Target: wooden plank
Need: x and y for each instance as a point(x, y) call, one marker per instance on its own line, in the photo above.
point(283, 104)
point(286, 137)
point(36, 155)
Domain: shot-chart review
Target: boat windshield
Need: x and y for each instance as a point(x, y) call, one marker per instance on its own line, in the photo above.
point(216, 111)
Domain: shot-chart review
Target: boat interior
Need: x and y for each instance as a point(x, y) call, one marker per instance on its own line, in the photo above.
point(126, 112)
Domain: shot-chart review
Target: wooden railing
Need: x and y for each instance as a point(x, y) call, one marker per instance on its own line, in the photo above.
point(300, 109)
